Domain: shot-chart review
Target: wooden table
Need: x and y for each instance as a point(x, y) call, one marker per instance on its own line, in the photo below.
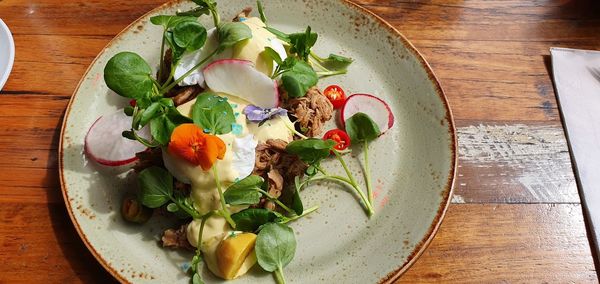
point(516, 213)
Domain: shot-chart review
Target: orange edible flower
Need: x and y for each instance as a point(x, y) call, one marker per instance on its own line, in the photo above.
point(189, 142)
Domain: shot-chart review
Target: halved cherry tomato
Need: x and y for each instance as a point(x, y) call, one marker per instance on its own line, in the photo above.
point(340, 137)
point(336, 96)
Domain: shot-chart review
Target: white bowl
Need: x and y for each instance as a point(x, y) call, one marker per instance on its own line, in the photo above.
point(7, 53)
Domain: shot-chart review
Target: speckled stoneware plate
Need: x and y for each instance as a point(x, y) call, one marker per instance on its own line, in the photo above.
point(413, 164)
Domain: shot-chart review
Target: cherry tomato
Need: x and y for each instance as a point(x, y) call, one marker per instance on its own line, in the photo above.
point(132, 103)
point(336, 96)
point(340, 137)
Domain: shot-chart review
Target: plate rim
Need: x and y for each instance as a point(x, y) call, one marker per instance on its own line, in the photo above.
point(11, 53)
point(446, 194)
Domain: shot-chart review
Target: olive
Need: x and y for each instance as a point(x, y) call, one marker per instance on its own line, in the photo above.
point(133, 211)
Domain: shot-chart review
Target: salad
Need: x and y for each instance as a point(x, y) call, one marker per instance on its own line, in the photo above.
point(226, 133)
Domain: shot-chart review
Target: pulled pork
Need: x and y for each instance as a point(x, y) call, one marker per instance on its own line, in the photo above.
point(148, 158)
point(277, 166)
point(182, 95)
point(311, 111)
point(176, 239)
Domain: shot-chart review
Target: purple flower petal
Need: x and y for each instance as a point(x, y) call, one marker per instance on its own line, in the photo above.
point(257, 114)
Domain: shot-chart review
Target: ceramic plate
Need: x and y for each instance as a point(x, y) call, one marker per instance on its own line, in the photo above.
point(413, 164)
point(7, 53)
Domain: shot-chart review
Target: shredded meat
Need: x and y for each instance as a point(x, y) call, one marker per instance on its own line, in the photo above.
point(148, 158)
point(311, 111)
point(176, 239)
point(272, 155)
point(165, 67)
point(244, 14)
point(275, 186)
point(277, 166)
point(182, 95)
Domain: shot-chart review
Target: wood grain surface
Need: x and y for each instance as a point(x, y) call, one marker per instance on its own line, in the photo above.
point(516, 214)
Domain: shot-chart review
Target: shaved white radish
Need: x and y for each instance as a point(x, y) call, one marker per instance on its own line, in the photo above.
point(370, 105)
point(105, 144)
point(239, 78)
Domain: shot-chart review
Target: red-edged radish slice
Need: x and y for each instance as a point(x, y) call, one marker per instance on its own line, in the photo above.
point(373, 106)
point(240, 78)
point(105, 144)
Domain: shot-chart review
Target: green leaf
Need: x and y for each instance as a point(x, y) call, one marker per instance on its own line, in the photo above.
point(135, 121)
point(162, 126)
point(261, 11)
point(311, 150)
point(128, 134)
point(143, 103)
point(128, 110)
point(360, 127)
point(271, 53)
point(213, 113)
point(206, 3)
point(190, 36)
point(301, 43)
point(298, 79)
point(151, 112)
point(231, 33)
point(156, 186)
point(249, 220)
point(196, 12)
point(185, 207)
point(312, 170)
point(245, 191)
point(176, 51)
point(336, 62)
point(297, 205)
point(169, 21)
point(275, 246)
point(160, 129)
point(128, 75)
point(167, 102)
point(196, 262)
point(197, 279)
point(279, 34)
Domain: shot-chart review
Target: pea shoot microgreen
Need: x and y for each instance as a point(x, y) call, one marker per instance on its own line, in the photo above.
point(362, 129)
point(156, 185)
point(275, 248)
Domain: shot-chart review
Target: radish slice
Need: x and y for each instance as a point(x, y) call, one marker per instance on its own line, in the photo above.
point(240, 78)
point(373, 106)
point(105, 144)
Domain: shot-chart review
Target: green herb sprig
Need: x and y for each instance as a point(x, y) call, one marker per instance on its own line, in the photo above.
point(313, 151)
point(301, 44)
point(362, 130)
point(229, 34)
point(156, 185)
point(248, 191)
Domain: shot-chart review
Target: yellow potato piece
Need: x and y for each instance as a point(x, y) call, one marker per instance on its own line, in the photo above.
point(232, 252)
